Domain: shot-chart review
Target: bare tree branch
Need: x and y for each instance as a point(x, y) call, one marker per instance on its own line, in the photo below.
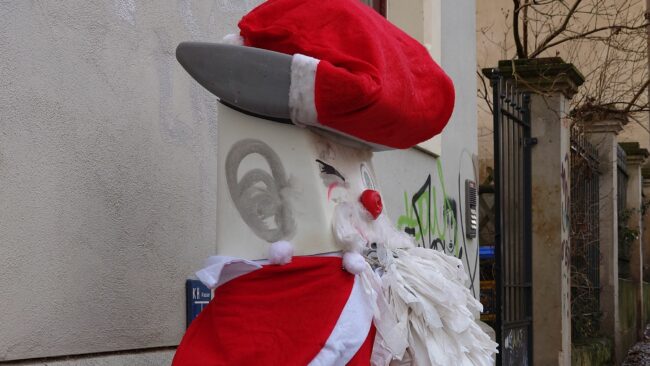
point(525, 26)
point(483, 93)
point(541, 49)
point(642, 89)
point(639, 123)
point(533, 3)
point(559, 29)
point(515, 30)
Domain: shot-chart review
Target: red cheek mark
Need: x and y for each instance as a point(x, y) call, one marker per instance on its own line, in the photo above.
point(330, 188)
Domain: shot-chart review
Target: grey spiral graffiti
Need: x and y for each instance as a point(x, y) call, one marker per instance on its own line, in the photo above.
point(261, 198)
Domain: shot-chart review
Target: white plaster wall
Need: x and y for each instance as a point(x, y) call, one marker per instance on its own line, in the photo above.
point(107, 171)
point(402, 173)
point(459, 139)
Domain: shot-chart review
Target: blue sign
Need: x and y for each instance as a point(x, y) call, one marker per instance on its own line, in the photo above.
point(486, 252)
point(197, 297)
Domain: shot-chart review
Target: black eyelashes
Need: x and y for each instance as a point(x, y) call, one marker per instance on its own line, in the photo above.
point(328, 169)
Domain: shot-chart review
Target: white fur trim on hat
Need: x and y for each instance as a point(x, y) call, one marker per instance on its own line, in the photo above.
point(302, 103)
point(233, 39)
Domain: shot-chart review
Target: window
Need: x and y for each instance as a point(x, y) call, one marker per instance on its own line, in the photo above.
point(378, 5)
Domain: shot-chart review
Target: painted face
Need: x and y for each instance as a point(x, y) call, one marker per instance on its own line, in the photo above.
point(345, 171)
point(281, 182)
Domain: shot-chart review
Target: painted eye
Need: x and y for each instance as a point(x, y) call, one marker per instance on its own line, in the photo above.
point(330, 170)
point(366, 177)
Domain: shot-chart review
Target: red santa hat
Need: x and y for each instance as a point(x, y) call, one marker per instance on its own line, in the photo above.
point(348, 70)
point(353, 71)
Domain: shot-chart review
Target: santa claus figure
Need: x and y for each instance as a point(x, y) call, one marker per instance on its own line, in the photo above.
point(309, 269)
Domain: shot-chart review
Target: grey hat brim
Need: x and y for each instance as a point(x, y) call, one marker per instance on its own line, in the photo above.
point(253, 80)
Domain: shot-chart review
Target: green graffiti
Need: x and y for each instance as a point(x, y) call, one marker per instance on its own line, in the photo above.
point(422, 220)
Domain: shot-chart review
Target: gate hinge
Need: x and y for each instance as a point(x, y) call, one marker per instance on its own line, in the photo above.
point(530, 141)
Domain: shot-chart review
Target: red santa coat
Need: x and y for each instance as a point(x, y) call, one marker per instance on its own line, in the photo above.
point(308, 312)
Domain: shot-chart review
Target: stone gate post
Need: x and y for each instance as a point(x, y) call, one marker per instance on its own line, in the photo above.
point(552, 83)
point(636, 157)
point(601, 130)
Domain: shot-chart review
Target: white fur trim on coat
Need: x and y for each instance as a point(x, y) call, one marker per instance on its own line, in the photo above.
point(302, 103)
point(220, 269)
point(350, 331)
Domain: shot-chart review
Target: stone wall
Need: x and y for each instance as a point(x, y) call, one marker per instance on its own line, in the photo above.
point(628, 298)
point(592, 352)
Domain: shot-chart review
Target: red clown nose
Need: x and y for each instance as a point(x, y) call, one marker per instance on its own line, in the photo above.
point(371, 200)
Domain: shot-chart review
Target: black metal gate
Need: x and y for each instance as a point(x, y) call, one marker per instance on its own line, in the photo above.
point(585, 244)
point(625, 235)
point(513, 236)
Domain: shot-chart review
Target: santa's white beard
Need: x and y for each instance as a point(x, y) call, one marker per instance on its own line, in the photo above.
point(355, 230)
point(423, 289)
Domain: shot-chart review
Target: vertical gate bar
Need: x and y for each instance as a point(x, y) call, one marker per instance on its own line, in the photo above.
point(520, 199)
point(528, 226)
point(496, 81)
point(520, 236)
point(516, 212)
point(522, 206)
point(512, 242)
point(516, 202)
point(506, 207)
point(508, 242)
point(511, 209)
point(504, 181)
point(518, 221)
point(594, 213)
point(513, 200)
